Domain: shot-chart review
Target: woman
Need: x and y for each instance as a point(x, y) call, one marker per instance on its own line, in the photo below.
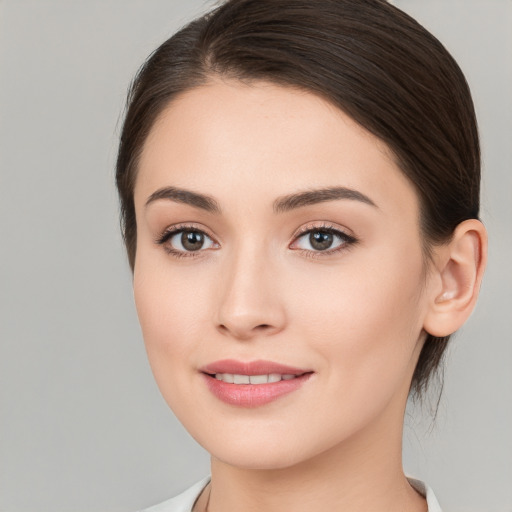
point(299, 185)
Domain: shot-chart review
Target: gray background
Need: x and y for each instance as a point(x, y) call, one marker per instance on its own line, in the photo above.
point(82, 425)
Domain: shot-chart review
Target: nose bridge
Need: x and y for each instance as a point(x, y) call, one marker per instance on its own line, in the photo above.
point(248, 301)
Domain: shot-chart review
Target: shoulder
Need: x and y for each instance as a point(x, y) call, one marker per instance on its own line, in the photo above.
point(425, 490)
point(183, 502)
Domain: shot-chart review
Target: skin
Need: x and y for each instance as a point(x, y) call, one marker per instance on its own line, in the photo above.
point(258, 290)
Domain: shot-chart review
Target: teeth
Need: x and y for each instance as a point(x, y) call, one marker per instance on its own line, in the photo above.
point(252, 379)
point(226, 377)
point(258, 379)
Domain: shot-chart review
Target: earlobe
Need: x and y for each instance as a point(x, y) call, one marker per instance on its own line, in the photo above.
point(459, 270)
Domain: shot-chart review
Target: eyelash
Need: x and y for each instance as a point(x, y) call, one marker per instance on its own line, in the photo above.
point(170, 232)
point(347, 240)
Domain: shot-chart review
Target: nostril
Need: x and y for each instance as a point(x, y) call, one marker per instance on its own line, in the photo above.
point(262, 327)
point(245, 332)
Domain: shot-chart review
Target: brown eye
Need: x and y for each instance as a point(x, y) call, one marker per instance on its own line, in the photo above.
point(320, 240)
point(192, 240)
point(326, 240)
point(183, 241)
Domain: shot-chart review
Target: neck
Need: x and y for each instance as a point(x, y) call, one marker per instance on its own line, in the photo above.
point(361, 473)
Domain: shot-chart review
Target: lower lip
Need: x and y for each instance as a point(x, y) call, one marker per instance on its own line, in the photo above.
point(253, 395)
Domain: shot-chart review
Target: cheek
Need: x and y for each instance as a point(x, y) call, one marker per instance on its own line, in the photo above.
point(167, 306)
point(365, 319)
point(167, 297)
point(175, 305)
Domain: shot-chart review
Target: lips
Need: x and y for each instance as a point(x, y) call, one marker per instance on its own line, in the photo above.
point(251, 368)
point(252, 384)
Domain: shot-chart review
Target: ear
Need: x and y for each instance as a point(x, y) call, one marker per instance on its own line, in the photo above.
point(458, 270)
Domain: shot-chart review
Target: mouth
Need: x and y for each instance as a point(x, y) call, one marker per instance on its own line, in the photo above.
point(252, 384)
point(236, 378)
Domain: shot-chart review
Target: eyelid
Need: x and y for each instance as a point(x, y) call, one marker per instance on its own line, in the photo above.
point(181, 226)
point(323, 226)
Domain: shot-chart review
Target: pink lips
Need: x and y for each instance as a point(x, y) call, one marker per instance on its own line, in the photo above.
point(252, 395)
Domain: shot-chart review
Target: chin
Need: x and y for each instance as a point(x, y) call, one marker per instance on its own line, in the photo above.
point(260, 458)
point(263, 448)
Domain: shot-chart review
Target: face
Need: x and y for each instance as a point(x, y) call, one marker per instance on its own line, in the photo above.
point(279, 277)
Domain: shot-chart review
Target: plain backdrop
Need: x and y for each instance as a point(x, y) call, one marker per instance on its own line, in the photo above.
point(82, 424)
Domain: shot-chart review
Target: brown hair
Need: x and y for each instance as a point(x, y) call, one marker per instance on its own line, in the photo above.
point(366, 57)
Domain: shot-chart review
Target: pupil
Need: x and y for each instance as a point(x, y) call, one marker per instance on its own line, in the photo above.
point(192, 240)
point(320, 240)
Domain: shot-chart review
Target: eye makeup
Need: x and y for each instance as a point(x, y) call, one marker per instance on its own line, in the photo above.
point(325, 238)
point(188, 240)
point(191, 235)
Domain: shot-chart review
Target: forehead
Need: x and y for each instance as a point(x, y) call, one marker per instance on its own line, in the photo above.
point(227, 137)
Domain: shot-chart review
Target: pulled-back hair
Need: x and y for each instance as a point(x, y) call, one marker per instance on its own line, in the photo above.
point(367, 58)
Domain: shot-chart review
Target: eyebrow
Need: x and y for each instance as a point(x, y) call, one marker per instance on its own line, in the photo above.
point(281, 205)
point(180, 195)
point(310, 197)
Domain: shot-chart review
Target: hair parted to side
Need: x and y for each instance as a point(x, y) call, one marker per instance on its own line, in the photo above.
point(366, 57)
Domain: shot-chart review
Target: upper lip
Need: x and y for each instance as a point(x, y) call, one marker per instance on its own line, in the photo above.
point(259, 367)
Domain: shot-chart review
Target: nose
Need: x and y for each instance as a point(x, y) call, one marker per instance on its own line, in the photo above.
point(249, 303)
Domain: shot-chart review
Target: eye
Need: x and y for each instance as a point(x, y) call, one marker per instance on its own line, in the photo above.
point(180, 241)
point(323, 239)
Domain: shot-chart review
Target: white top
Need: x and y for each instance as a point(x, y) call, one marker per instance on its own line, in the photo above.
point(185, 501)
